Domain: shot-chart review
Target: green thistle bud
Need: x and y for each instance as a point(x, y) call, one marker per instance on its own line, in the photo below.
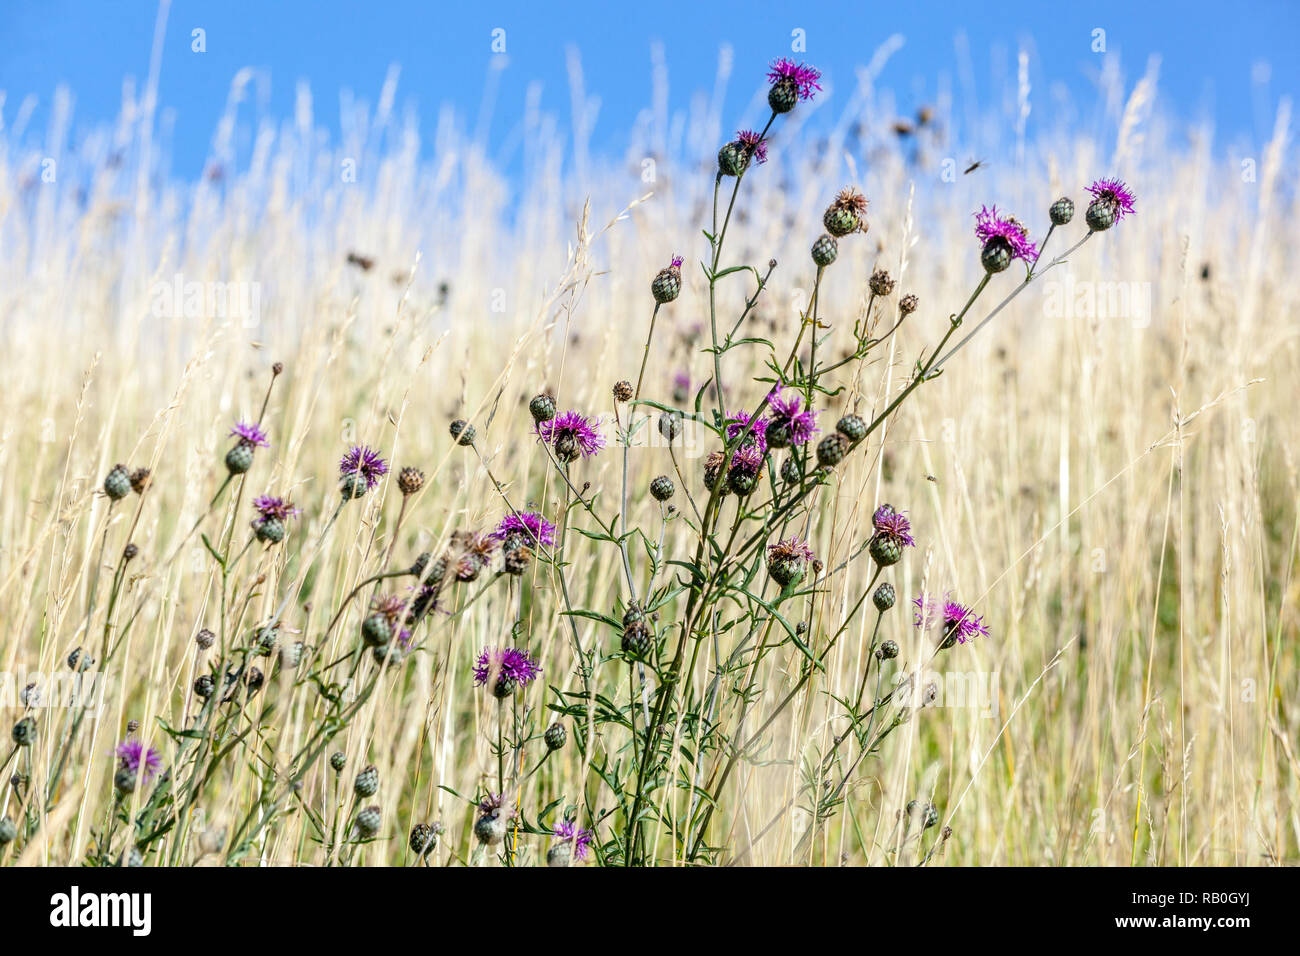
point(885, 550)
point(117, 485)
point(825, 250)
point(555, 736)
point(887, 651)
point(542, 408)
point(637, 640)
point(24, 732)
point(852, 427)
point(240, 458)
point(338, 760)
point(463, 432)
point(1061, 211)
point(661, 488)
point(368, 821)
point(367, 782)
point(831, 450)
point(884, 597)
point(996, 255)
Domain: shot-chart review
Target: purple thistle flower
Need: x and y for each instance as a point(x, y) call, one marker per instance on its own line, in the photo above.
point(748, 459)
point(505, 666)
point(363, 461)
point(989, 225)
point(566, 831)
point(802, 76)
point(792, 547)
point(133, 755)
point(960, 623)
point(1115, 192)
point(250, 433)
point(800, 425)
point(676, 263)
point(574, 427)
point(894, 524)
point(755, 432)
point(754, 143)
point(270, 506)
point(536, 529)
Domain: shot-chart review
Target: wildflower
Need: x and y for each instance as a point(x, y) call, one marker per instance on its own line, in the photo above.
point(789, 424)
point(385, 614)
point(623, 391)
point(1112, 200)
point(530, 525)
point(791, 82)
point(367, 782)
point(667, 282)
point(542, 408)
point(960, 624)
point(571, 844)
point(852, 427)
point(637, 639)
point(505, 670)
point(132, 755)
point(1004, 239)
point(662, 488)
point(571, 434)
point(883, 598)
point(786, 560)
point(477, 551)
point(881, 283)
point(252, 434)
point(907, 304)
point(424, 837)
point(754, 432)
point(894, 523)
point(360, 470)
point(681, 386)
point(847, 213)
point(369, 821)
point(831, 450)
point(272, 513)
point(734, 158)
point(494, 818)
point(463, 432)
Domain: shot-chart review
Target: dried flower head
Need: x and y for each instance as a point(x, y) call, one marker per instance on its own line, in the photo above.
point(410, 480)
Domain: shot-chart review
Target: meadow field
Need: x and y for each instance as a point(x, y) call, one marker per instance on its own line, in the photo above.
point(1105, 477)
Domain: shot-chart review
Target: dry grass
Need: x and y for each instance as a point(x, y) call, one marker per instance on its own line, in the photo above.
point(1116, 494)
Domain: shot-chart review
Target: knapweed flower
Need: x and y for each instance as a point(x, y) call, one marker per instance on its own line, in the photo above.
point(791, 82)
point(786, 560)
point(272, 512)
point(1112, 200)
point(571, 843)
point(132, 755)
point(571, 434)
point(667, 283)
point(476, 552)
point(754, 432)
point(791, 424)
point(681, 386)
point(754, 144)
point(250, 433)
point(1004, 239)
point(959, 623)
point(531, 526)
point(270, 506)
point(887, 521)
point(360, 470)
point(847, 213)
point(746, 469)
point(504, 670)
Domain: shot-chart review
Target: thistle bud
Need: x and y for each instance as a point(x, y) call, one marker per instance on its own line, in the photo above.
point(555, 736)
point(1061, 211)
point(463, 432)
point(117, 485)
point(825, 250)
point(542, 408)
point(661, 489)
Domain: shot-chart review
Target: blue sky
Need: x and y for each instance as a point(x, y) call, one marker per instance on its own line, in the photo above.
point(1210, 52)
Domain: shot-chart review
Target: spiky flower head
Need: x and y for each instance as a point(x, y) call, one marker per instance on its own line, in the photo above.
point(410, 480)
point(571, 434)
point(755, 145)
point(1116, 194)
point(530, 525)
point(361, 465)
point(847, 213)
point(959, 623)
point(133, 755)
point(754, 431)
point(797, 76)
point(895, 524)
point(250, 433)
point(504, 670)
point(566, 831)
point(791, 424)
point(1004, 232)
point(271, 506)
